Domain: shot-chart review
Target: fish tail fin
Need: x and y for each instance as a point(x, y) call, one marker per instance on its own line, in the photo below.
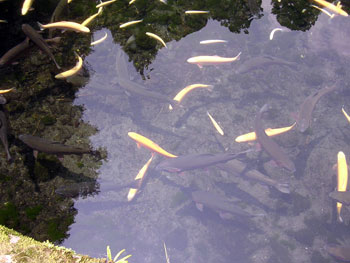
point(40, 26)
point(210, 88)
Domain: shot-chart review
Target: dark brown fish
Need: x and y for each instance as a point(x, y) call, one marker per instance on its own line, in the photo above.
point(342, 197)
point(3, 134)
point(238, 167)
point(39, 41)
point(195, 161)
point(14, 52)
point(339, 252)
point(220, 204)
point(46, 146)
point(270, 146)
point(261, 63)
point(305, 114)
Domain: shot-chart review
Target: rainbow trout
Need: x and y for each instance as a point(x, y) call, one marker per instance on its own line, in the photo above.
point(195, 161)
point(51, 147)
point(270, 146)
point(39, 41)
point(305, 114)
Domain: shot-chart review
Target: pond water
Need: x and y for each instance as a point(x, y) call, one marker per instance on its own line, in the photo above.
point(292, 225)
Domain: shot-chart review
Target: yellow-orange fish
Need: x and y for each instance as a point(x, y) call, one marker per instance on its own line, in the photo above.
point(324, 11)
point(89, 19)
point(345, 114)
point(200, 61)
point(216, 125)
point(251, 136)
point(98, 41)
point(141, 140)
point(336, 9)
point(72, 71)
point(187, 89)
point(105, 3)
point(5, 90)
point(156, 38)
point(26, 6)
point(139, 177)
point(342, 179)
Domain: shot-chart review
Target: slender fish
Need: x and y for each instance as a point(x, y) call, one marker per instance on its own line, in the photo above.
point(305, 114)
point(139, 178)
point(270, 146)
point(130, 23)
point(89, 19)
point(212, 41)
point(336, 9)
point(200, 61)
point(238, 167)
point(66, 25)
point(105, 3)
point(98, 41)
point(51, 147)
point(3, 134)
point(72, 71)
point(269, 132)
point(39, 41)
point(26, 6)
point(342, 179)
point(141, 140)
point(216, 125)
point(14, 52)
point(273, 32)
point(187, 89)
point(195, 161)
point(156, 38)
point(345, 114)
point(324, 11)
point(193, 12)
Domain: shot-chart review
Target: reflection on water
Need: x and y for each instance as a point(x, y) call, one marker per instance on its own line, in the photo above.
point(296, 226)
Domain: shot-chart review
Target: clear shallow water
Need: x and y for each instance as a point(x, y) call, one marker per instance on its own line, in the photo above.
point(296, 226)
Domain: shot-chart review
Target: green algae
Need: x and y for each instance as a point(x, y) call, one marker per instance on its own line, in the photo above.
point(33, 212)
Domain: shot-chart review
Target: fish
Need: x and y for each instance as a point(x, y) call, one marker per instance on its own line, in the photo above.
point(262, 62)
point(304, 117)
point(195, 161)
point(179, 96)
point(216, 125)
point(124, 81)
point(342, 181)
point(139, 178)
point(200, 61)
point(251, 136)
point(98, 41)
point(220, 204)
point(3, 134)
point(338, 251)
point(3, 91)
point(156, 38)
point(270, 146)
point(238, 167)
point(39, 41)
point(130, 23)
point(189, 12)
point(273, 32)
point(345, 114)
point(72, 71)
point(324, 11)
point(105, 3)
point(26, 6)
point(141, 140)
point(212, 41)
point(51, 147)
point(131, 2)
point(73, 190)
point(14, 52)
point(341, 197)
point(68, 1)
point(335, 8)
point(89, 19)
point(65, 25)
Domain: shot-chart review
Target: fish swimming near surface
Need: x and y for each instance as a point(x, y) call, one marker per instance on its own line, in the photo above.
point(26, 6)
point(156, 37)
point(238, 167)
point(142, 140)
point(270, 146)
point(105, 3)
point(304, 117)
point(339, 252)
point(335, 8)
point(341, 197)
point(130, 23)
point(195, 161)
point(98, 41)
point(14, 52)
point(72, 71)
point(89, 19)
point(195, 12)
point(220, 204)
point(65, 25)
point(3, 134)
point(51, 147)
point(39, 41)
point(212, 41)
point(342, 179)
point(262, 62)
point(200, 61)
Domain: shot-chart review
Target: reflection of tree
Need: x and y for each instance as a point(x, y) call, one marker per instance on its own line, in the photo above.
point(296, 15)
